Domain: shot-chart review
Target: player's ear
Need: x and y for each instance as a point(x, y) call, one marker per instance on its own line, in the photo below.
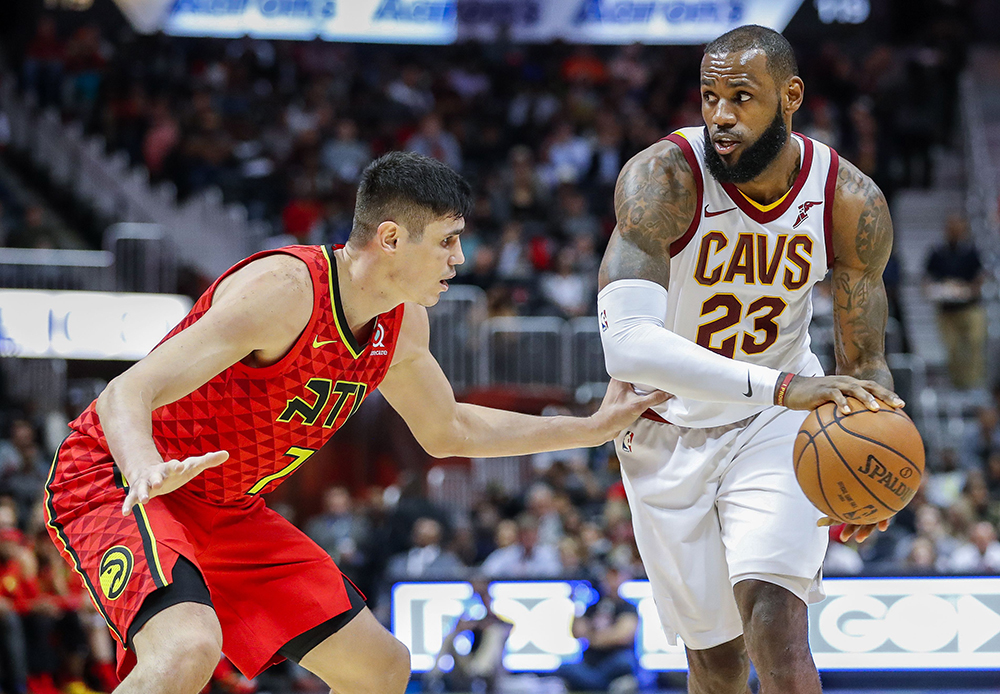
point(387, 236)
point(792, 95)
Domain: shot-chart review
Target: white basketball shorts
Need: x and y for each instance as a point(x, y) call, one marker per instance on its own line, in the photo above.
point(712, 507)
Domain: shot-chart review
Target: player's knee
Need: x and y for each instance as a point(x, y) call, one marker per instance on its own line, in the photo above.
point(722, 668)
point(773, 618)
point(397, 673)
point(192, 660)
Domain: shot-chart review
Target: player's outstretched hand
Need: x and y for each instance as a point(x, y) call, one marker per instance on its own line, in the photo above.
point(858, 532)
point(809, 392)
point(622, 406)
point(163, 478)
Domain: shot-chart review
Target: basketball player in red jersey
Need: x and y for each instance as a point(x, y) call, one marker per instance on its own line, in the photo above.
point(155, 496)
point(706, 293)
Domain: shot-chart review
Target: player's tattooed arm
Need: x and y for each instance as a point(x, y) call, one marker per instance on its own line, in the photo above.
point(655, 200)
point(862, 243)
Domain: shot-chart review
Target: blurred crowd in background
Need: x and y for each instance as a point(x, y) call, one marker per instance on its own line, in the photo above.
point(286, 128)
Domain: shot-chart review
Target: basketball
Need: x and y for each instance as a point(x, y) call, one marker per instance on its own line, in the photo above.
point(858, 468)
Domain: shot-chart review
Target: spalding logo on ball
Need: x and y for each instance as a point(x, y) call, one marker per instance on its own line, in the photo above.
point(858, 468)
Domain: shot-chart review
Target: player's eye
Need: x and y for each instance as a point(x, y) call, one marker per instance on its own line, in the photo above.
point(709, 97)
point(743, 96)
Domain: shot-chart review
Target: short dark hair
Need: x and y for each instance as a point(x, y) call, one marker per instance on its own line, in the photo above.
point(409, 189)
point(781, 61)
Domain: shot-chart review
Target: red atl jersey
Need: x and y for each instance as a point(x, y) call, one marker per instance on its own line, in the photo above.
point(272, 419)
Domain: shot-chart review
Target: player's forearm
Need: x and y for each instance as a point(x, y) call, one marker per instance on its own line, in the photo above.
point(485, 432)
point(127, 421)
point(639, 350)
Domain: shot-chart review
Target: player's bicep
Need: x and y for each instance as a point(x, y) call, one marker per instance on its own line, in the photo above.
point(655, 200)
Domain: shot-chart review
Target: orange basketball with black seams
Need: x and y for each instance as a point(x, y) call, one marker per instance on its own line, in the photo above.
point(861, 467)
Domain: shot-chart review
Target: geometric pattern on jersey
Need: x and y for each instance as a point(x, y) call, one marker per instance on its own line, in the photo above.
point(272, 419)
point(269, 582)
point(741, 276)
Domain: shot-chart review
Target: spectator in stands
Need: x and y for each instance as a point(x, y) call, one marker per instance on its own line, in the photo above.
point(954, 278)
point(983, 438)
point(609, 627)
point(522, 194)
point(930, 527)
point(541, 504)
point(568, 155)
point(526, 558)
point(432, 140)
point(42, 69)
point(922, 558)
point(981, 554)
point(567, 291)
point(344, 534)
point(426, 558)
point(23, 468)
point(944, 480)
point(573, 218)
point(346, 155)
point(13, 646)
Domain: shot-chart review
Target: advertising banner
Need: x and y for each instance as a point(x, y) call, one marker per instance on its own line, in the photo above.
point(447, 21)
point(864, 623)
point(85, 325)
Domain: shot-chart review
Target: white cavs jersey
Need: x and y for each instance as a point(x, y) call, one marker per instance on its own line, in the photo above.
point(741, 277)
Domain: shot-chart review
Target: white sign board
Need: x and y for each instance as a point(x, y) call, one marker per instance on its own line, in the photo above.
point(864, 624)
point(85, 325)
point(446, 21)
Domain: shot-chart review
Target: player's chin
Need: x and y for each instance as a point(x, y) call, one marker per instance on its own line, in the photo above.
point(432, 299)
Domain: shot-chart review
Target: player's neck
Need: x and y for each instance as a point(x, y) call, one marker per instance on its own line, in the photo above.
point(362, 293)
point(777, 179)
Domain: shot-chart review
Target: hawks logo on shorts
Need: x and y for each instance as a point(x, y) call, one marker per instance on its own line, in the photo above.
point(115, 571)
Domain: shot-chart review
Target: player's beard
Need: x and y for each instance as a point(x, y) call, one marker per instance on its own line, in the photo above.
point(754, 159)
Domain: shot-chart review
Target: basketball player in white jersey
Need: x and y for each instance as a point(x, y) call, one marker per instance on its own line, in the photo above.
point(722, 232)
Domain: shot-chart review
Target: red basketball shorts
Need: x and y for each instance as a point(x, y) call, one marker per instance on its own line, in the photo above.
point(269, 582)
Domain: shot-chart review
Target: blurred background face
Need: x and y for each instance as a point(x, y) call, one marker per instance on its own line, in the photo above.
point(426, 532)
point(337, 501)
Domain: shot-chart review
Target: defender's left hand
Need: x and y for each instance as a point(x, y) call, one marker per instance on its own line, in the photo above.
point(622, 406)
point(858, 532)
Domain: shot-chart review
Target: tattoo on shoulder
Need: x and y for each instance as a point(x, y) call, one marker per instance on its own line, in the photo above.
point(873, 237)
point(655, 200)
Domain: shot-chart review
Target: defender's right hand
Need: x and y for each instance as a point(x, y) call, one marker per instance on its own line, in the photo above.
point(163, 478)
point(809, 392)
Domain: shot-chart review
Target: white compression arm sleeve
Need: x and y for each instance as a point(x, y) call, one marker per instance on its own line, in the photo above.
point(639, 350)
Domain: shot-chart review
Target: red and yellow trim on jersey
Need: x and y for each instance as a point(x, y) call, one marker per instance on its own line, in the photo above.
point(765, 208)
point(56, 527)
point(339, 319)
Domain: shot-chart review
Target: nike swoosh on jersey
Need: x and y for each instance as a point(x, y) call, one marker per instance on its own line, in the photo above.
point(317, 343)
point(715, 214)
point(749, 393)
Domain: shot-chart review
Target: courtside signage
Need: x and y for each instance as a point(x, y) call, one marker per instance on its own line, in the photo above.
point(85, 325)
point(864, 623)
point(447, 21)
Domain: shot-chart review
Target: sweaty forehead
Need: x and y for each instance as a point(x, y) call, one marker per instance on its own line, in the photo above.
point(748, 66)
